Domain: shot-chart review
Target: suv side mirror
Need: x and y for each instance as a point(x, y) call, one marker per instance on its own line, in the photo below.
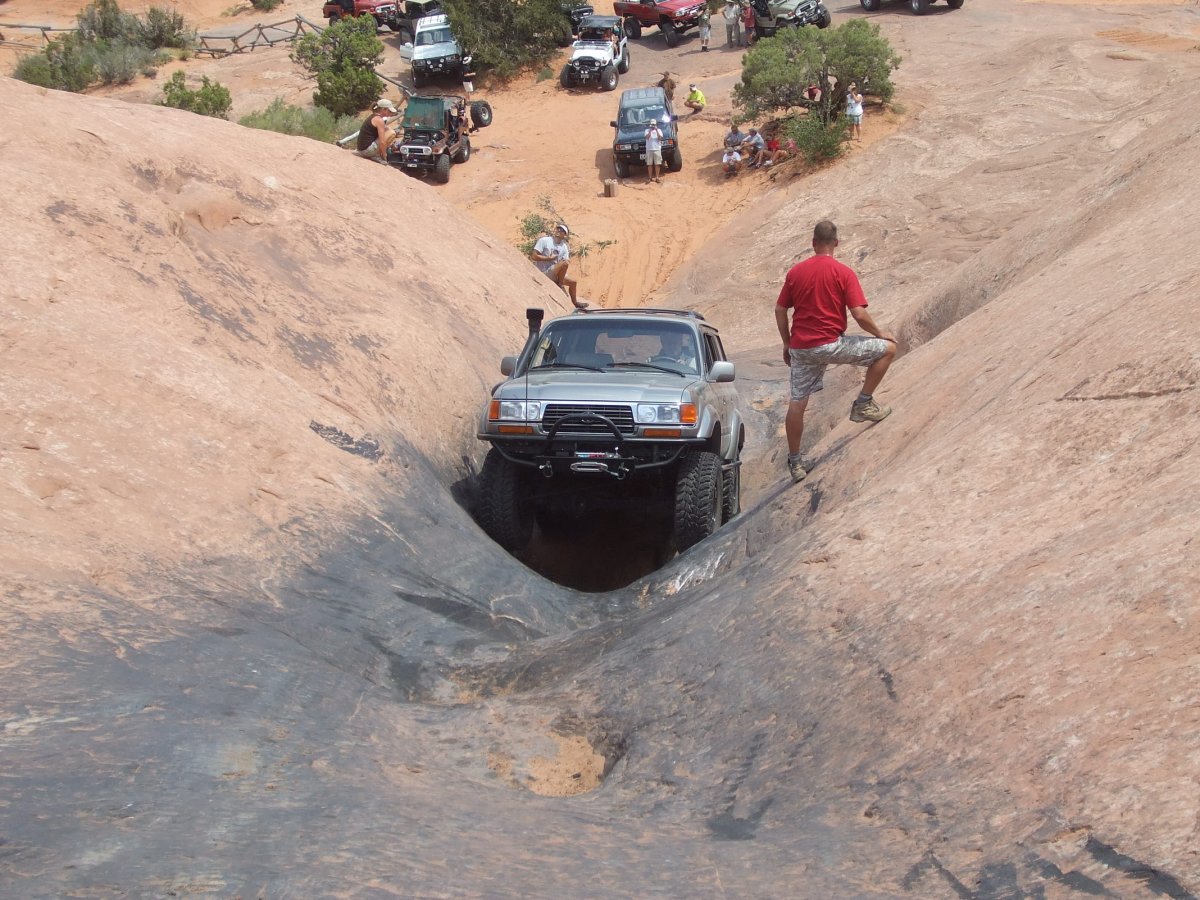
point(508, 365)
point(722, 371)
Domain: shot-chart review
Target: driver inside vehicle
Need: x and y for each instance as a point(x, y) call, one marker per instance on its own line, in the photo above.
point(676, 347)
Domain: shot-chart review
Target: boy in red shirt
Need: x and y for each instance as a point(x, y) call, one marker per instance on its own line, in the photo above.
point(819, 291)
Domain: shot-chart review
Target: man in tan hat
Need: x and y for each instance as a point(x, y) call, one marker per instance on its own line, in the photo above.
point(667, 83)
point(376, 133)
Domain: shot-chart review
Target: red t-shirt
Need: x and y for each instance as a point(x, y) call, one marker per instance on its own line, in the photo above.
point(819, 290)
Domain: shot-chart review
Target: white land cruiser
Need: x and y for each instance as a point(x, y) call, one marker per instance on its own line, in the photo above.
point(599, 55)
point(434, 50)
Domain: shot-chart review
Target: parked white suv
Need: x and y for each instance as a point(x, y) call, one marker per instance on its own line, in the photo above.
point(599, 55)
point(434, 50)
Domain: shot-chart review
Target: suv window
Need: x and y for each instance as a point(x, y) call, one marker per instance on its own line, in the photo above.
point(434, 36)
point(641, 115)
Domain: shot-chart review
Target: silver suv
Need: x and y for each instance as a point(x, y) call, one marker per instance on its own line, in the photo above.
point(620, 408)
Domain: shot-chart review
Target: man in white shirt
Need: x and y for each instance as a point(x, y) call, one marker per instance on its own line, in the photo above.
point(653, 152)
point(552, 256)
point(731, 160)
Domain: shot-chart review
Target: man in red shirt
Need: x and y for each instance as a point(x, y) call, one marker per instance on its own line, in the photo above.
point(818, 291)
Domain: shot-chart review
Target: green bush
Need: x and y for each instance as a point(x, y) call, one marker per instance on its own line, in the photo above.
point(777, 70)
point(265, 5)
point(110, 46)
point(817, 141)
point(317, 123)
point(211, 99)
point(507, 37)
point(164, 28)
point(342, 58)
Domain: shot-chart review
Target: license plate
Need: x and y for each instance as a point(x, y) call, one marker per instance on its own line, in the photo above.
point(412, 165)
point(642, 157)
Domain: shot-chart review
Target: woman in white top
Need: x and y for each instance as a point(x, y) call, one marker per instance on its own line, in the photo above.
point(854, 110)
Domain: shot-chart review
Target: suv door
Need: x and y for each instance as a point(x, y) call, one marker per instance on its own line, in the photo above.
point(724, 394)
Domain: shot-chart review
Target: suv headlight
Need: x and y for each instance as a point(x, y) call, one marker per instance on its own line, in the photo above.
point(515, 411)
point(624, 146)
point(666, 414)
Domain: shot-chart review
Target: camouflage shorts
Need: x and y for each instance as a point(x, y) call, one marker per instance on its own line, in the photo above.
point(808, 365)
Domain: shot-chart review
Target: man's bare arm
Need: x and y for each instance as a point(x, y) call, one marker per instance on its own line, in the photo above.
point(781, 322)
point(867, 324)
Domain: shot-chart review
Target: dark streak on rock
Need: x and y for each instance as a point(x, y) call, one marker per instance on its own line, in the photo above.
point(930, 863)
point(1077, 881)
point(888, 683)
point(311, 351)
point(1156, 882)
point(725, 826)
point(366, 447)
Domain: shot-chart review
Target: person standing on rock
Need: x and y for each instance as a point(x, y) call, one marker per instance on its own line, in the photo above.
point(819, 291)
point(732, 13)
point(854, 111)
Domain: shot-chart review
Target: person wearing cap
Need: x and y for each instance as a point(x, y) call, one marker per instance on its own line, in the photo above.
point(695, 99)
point(704, 20)
point(749, 31)
point(732, 13)
point(376, 134)
point(654, 157)
point(754, 149)
point(552, 255)
point(667, 83)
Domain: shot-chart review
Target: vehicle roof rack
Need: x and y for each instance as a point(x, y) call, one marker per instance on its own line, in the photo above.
point(640, 310)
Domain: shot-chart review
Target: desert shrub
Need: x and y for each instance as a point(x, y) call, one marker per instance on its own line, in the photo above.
point(506, 37)
point(817, 141)
point(777, 70)
point(265, 5)
point(211, 99)
point(342, 59)
point(318, 123)
point(164, 28)
point(110, 46)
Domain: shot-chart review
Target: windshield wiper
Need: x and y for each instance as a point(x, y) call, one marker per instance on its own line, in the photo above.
point(562, 365)
point(646, 365)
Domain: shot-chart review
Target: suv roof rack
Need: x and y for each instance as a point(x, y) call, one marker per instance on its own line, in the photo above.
point(640, 310)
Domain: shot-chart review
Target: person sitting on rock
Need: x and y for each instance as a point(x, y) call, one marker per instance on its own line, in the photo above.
point(552, 256)
point(731, 161)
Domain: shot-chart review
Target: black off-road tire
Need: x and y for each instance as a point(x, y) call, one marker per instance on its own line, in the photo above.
point(954, 4)
point(441, 168)
point(919, 7)
point(674, 159)
point(505, 510)
point(565, 78)
point(481, 113)
point(464, 150)
point(333, 18)
point(623, 64)
point(869, 5)
point(633, 28)
point(670, 35)
point(620, 167)
point(609, 78)
point(826, 20)
point(698, 498)
point(731, 492)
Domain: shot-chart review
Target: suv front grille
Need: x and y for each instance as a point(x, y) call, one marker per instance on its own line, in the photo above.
point(621, 416)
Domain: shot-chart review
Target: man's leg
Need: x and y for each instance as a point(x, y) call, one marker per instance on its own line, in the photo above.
point(864, 408)
point(794, 425)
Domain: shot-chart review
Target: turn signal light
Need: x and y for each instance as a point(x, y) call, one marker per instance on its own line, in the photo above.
point(662, 432)
point(515, 429)
point(493, 410)
point(687, 413)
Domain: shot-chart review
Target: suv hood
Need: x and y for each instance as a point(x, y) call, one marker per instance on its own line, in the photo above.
point(636, 134)
point(437, 51)
point(600, 50)
point(616, 386)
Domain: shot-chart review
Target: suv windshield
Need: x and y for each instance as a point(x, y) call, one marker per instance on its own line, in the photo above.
point(641, 115)
point(434, 36)
point(600, 345)
point(423, 112)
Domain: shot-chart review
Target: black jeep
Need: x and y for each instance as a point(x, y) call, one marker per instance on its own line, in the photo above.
point(435, 133)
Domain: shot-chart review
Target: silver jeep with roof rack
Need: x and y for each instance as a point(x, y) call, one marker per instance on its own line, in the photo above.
point(613, 408)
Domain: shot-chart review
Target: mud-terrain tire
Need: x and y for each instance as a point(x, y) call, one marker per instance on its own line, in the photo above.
point(869, 5)
point(505, 512)
point(418, 79)
point(623, 65)
point(565, 78)
point(919, 7)
point(481, 114)
point(633, 28)
point(954, 4)
point(670, 35)
point(621, 168)
point(826, 20)
point(698, 498)
point(441, 168)
point(464, 150)
point(674, 160)
point(609, 78)
point(731, 492)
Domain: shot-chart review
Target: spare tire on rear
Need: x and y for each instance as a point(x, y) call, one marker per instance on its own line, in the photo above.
point(481, 113)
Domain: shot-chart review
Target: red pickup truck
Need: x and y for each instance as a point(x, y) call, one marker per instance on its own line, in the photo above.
point(673, 17)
